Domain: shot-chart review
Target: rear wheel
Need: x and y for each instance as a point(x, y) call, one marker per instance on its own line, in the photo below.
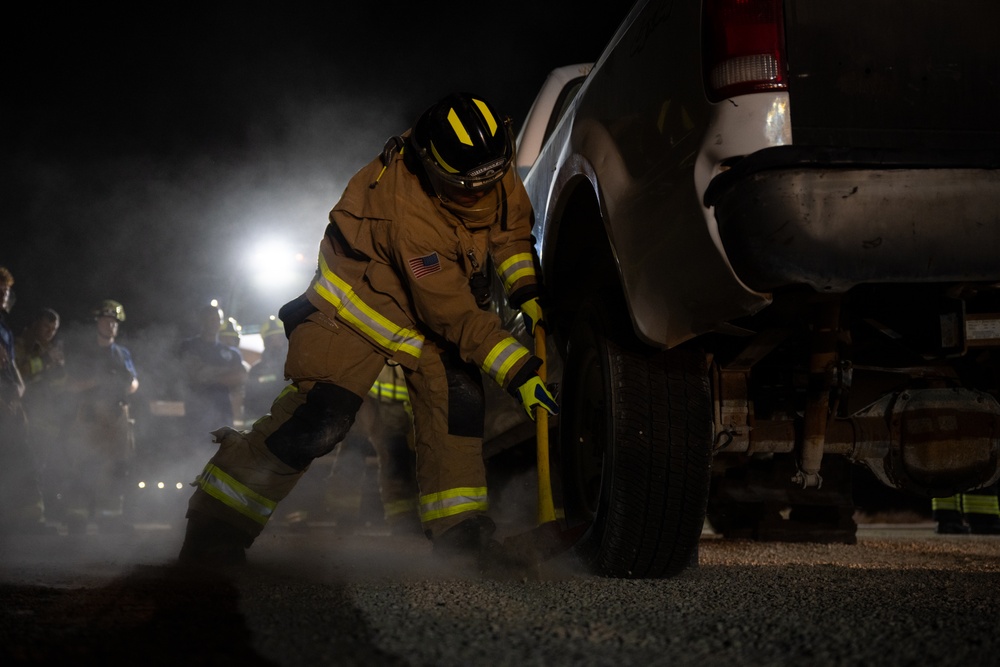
point(635, 451)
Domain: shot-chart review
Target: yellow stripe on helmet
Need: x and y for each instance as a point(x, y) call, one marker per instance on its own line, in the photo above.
point(490, 120)
point(440, 160)
point(460, 131)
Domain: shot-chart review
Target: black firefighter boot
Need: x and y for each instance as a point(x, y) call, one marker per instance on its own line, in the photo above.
point(473, 537)
point(209, 542)
point(983, 524)
point(949, 522)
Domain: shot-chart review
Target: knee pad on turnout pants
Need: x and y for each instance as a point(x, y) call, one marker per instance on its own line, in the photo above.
point(316, 426)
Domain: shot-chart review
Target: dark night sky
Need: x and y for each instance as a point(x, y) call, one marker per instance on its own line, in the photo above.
point(147, 148)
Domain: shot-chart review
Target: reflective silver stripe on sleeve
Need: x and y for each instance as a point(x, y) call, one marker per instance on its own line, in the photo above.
point(502, 357)
point(516, 267)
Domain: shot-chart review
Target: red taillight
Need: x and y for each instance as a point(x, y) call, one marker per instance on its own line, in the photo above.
point(744, 47)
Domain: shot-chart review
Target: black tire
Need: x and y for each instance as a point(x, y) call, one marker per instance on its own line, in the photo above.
point(634, 451)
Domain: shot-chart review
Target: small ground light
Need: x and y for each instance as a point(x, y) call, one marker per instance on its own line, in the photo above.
point(160, 485)
point(142, 485)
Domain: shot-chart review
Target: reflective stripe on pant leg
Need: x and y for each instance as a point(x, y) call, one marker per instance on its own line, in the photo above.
point(316, 353)
point(390, 438)
point(975, 503)
point(243, 483)
point(447, 400)
point(230, 492)
point(949, 503)
point(453, 502)
point(397, 508)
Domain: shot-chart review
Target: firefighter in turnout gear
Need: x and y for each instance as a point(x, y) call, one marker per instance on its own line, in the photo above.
point(975, 512)
point(387, 418)
point(401, 277)
point(383, 426)
point(267, 376)
point(391, 435)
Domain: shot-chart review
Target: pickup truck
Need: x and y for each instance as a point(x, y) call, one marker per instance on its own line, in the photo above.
point(769, 235)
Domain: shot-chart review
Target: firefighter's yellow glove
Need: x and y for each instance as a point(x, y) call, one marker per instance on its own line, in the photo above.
point(532, 313)
point(535, 396)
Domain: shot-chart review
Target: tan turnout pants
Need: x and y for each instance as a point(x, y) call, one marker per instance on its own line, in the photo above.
point(243, 483)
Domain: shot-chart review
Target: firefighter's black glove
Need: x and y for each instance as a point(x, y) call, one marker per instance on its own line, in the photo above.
point(535, 396)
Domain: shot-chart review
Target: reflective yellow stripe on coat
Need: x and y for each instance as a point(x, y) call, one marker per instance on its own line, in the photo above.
point(363, 317)
point(514, 268)
point(232, 493)
point(452, 502)
point(502, 358)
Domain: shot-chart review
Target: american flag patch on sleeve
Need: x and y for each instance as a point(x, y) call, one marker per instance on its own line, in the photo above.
point(423, 266)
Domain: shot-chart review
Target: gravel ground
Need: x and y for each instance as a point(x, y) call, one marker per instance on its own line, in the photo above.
point(901, 596)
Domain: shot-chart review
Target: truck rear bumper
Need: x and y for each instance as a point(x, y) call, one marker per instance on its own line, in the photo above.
point(834, 219)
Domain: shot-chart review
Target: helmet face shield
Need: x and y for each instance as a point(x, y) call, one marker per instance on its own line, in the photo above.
point(477, 179)
point(474, 207)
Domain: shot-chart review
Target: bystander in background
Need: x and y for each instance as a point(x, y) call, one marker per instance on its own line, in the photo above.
point(100, 378)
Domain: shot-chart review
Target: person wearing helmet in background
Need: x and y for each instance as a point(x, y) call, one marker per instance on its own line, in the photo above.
point(21, 505)
point(267, 376)
point(212, 372)
point(100, 437)
point(42, 363)
point(230, 334)
point(402, 276)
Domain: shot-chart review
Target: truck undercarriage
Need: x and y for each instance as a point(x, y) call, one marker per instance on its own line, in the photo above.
point(902, 379)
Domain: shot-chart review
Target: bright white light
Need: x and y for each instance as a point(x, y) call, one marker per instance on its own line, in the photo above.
point(274, 265)
point(179, 486)
point(142, 485)
point(160, 485)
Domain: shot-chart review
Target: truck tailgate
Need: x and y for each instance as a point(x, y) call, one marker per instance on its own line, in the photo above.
point(919, 74)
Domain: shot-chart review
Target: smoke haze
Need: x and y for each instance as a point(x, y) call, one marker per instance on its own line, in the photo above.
point(147, 149)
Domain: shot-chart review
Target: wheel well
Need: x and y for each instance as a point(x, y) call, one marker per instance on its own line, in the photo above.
point(583, 262)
